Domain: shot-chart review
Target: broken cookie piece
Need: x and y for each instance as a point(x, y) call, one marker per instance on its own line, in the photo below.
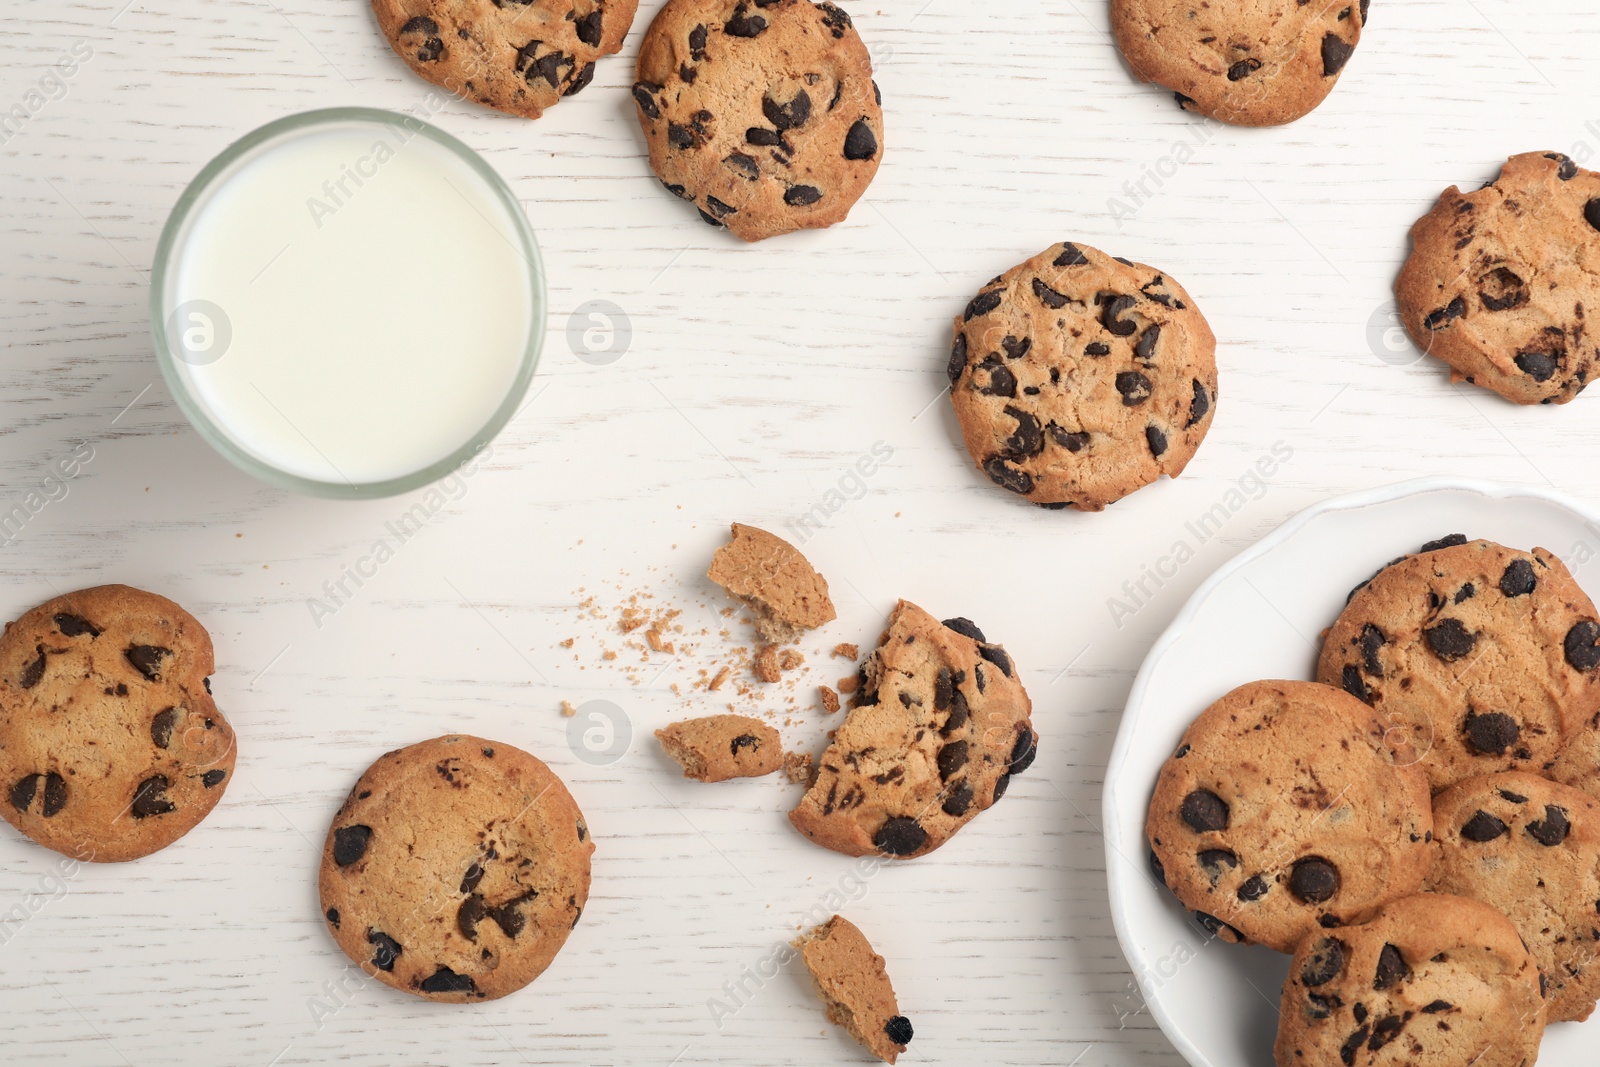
point(799, 768)
point(719, 747)
point(854, 986)
point(774, 581)
point(940, 724)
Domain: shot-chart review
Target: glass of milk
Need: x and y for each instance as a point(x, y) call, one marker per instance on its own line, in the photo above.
point(348, 303)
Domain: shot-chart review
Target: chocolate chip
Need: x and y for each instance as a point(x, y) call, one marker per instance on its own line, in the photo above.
point(983, 303)
point(432, 46)
point(588, 29)
point(1000, 786)
point(1350, 676)
point(1466, 592)
point(1518, 580)
point(1145, 348)
point(1243, 69)
point(1198, 406)
point(1048, 296)
point(1501, 290)
point(958, 358)
point(161, 727)
point(385, 949)
point(790, 116)
point(150, 799)
point(1134, 387)
point(444, 980)
point(333, 918)
point(1384, 1031)
point(146, 659)
point(801, 195)
point(1515, 798)
point(744, 24)
point(1254, 888)
point(1364, 5)
point(1069, 440)
point(746, 741)
point(1204, 811)
point(1540, 366)
point(997, 655)
point(1156, 440)
point(746, 167)
point(1314, 880)
point(1028, 438)
point(1436, 1006)
point(211, 779)
point(959, 713)
point(55, 793)
point(1335, 54)
point(860, 142)
point(1442, 317)
point(1111, 316)
point(350, 844)
point(1591, 212)
point(1491, 734)
point(1552, 829)
point(1097, 349)
point(1212, 860)
point(1371, 640)
point(964, 627)
point(1447, 541)
point(1352, 1045)
point(958, 800)
point(1004, 475)
point(952, 758)
point(1023, 750)
point(900, 836)
point(1482, 827)
point(898, 1030)
point(1391, 968)
point(1324, 964)
point(647, 103)
point(32, 673)
point(22, 792)
point(1319, 1006)
point(581, 81)
point(1582, 646)
point(1071, 256)
point(1449, 640)
point(1213, 925)
point(75, 626)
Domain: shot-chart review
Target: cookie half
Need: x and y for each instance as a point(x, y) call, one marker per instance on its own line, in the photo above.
point(854, 986)
point(1489, 656)
point(761, 113)
point(770, 577)
point(455, 869)
point(1284, 811)
point(1531, 848)
point(1433, 980)
point(941, 724)
point(1500, 280)
point(518, 56)
point(1247, 62)
point(1078, 378)
point(110, 744)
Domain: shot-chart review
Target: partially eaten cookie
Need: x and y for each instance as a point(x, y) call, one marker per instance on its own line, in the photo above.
point(778, 585)
point(854, 986)
point(718, 747)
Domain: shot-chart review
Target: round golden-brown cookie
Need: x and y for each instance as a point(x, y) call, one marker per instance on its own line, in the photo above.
point(520, 56)
point(762, 113)
point(940, 724)
point(1531, 848)
point(1501, 281)
point(1432, 981)
point(456, 869)
point(1078, 378)
point(1248, 62)
point(1286, 810)
point(1489, 656)
point(110, 744)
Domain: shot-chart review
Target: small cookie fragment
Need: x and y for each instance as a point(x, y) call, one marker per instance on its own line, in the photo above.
point(854, 986)
point(830, 699)
point(940, 724)
point(1257, 63)
point(455, 869)
point(1078, 378)
point(518, 56)
point(111, 746)
point(774, 581)
point(1531, 848)
point(568, 710)
point(1483, 654)
point(799, 768)
point(1432, 979)
point(1501, 280)
point(764, 665)
point(761, 113)
point(718, 747)
point(845, 650)
point(1286, 809)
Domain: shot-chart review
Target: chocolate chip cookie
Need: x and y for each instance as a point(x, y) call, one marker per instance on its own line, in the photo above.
point(779, 586)
point(1501, 280)
point(1488, 656)
point(1248, 62)
point(111, 747)
point(1078, 378)
point(456, 869)
point(854, 986)
point(1531, 848)
point(940, 724)
point(761, 113)
point(1433, 981)
point(1285, 810)
point(520, 56)
point(718, 747)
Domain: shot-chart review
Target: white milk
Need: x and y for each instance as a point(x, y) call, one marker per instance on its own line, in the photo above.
point(376, 293)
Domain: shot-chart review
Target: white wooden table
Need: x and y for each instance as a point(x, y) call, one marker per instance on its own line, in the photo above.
point(753, 380)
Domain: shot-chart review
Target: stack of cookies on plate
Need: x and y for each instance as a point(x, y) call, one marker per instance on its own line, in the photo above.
point(1420, 827)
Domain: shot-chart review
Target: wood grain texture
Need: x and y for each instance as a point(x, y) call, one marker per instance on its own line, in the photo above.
point(755, 378)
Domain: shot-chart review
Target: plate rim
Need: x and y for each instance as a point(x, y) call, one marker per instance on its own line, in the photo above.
point(1111, 809)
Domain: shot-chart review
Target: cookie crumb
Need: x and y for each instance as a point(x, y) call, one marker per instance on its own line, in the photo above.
point(765, 665)
point(720, 677)
point(845, 650)
point(568, 642)
point(847, 684)
point(830, 699)
point(799, 768)
point(789, 659)
point(567, 709)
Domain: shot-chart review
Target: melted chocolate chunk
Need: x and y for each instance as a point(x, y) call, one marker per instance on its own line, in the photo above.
point(899, 1030)
point(350, 844)
point(444, 980)
point(1203, 811)
point(1324, 964)
point(385, 949)
point(900, 836)
point(146, 659)
point(1391, 968)
point(860, 142)
point(1491, 734)
point(150, 798)
point(1314, 880)
point(1449, 640)
point(1482, 827)
point(75, 625)
point(1552, 829)
point(1519, 579)
point(1335, 54)
point(1582, 646)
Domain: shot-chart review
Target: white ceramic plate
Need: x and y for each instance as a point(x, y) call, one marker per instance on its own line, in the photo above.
point(1259, 616)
